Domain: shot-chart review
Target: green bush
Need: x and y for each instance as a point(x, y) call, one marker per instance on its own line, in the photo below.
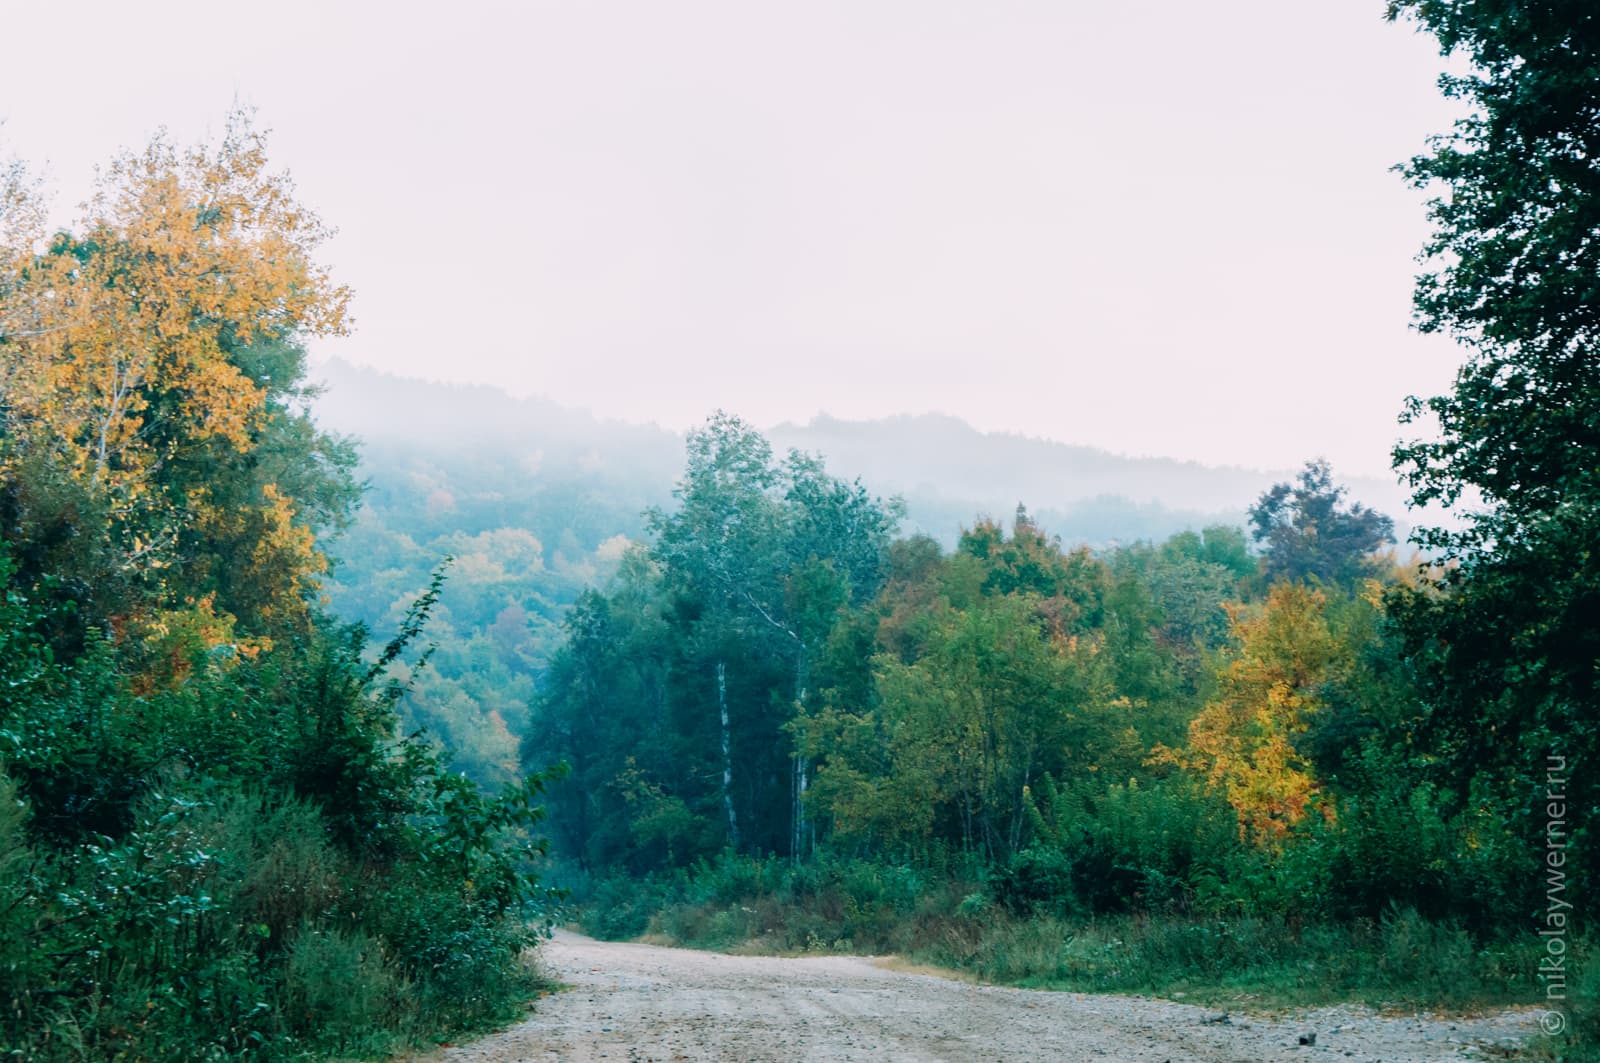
point(180, 878)
point(1038, 880)
point(619, 908)
point(343, 992)
point(1149, 846)
point(1583, 1004)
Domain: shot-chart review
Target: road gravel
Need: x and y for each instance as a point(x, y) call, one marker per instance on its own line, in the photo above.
point(635, 1003)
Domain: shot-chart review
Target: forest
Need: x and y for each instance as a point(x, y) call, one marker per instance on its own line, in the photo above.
point(1213, 760)
point(308, 740)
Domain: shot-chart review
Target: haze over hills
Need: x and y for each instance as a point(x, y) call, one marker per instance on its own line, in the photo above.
point(947, 471)
point(536, 502)
point(387, 409)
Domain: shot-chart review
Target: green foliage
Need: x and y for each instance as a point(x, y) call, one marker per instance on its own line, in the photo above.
point(1504, 639)
point(1049, 713)
point(531, 531)
point(683, 692)
point(1037, 881)
point(213, 841)
point(994, 702)
point(619, 908)
point(1153, 846)
point(939, 914)
point(339, 984)
point(826, 903)
point(1402, 961)
point(1513, 238)
point(1304, 533)
point(198, 905)
point(1142, 769)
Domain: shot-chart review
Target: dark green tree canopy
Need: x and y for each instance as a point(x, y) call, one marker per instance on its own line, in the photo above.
point(1513, 266)
point(1306, 533)
point(1509, 655)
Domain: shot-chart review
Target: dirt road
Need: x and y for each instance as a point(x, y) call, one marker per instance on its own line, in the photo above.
point(636, 1003)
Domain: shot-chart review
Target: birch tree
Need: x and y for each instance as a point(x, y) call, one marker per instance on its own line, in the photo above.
point(769, 554)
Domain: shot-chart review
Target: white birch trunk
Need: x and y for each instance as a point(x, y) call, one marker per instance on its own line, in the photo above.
point(727, 755)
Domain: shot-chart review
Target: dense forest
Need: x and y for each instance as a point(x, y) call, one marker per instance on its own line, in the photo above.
point(285, 714)
point(785, 724)
point(538, 503)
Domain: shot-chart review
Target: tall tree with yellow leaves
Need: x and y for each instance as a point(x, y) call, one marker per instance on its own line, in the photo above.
point(146, 350)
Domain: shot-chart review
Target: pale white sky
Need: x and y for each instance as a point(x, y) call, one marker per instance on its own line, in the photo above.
point(1162, 227)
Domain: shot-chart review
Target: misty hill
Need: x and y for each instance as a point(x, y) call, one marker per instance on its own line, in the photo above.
point(451, 419)
point(449, 437)
point(536, 502)
point(941, 455)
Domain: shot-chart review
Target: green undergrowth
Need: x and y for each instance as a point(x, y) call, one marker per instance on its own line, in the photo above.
point(230, 927)
point(249, 864)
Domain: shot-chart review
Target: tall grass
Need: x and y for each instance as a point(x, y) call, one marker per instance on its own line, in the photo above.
point(1403, 960)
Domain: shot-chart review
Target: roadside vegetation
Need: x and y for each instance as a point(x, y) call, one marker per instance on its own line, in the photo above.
point(213, 841)
point(1192, 767)
point(950, 920)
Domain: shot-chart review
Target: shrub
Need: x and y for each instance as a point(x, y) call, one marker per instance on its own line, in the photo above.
point(342, 992)
point(1036, 880)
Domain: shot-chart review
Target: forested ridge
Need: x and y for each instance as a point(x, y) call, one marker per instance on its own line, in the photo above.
point(285, 717)
point(538, 503)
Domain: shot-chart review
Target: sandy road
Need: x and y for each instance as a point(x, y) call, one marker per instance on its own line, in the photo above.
point(635, 1003)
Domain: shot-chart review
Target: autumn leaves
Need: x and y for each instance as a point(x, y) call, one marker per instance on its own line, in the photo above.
point(126, 364)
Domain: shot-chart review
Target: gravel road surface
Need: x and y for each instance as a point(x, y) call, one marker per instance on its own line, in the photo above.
point(631, 1003)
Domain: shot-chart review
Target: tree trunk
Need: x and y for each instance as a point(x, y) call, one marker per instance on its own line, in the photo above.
point(727, 756)
point(798, 779)
point(797, 797)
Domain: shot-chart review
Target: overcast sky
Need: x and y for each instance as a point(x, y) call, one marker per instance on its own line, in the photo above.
point(1161, 227)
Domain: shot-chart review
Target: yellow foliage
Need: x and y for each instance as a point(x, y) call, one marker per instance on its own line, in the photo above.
point(115, 338)
point(1243, 741)
point(171, 642)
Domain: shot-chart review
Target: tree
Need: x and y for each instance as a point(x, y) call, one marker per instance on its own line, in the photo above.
point(1306, 534)
point(157, 343)
point(1512, 264)
point(998, 665)
point(721, 551)
point(603, 712)
point(765, 558)
point(994, 704)
point(1246, 741)
point(203, 794)
point(1070, 582)
point(1188, 578)
point(1506, 637)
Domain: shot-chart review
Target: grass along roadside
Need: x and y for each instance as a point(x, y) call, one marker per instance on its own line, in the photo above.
point(1400, 962)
